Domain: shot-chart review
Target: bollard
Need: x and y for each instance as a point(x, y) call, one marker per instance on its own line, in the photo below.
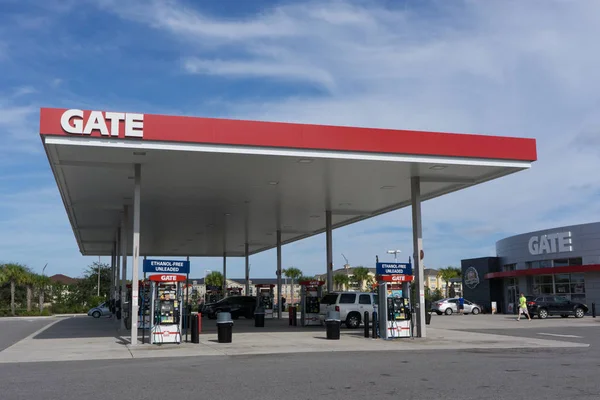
point(594, 310)
point(295, 316)
point(374, 325)
point(366, 318)
point(195, 328)
point(290, 315)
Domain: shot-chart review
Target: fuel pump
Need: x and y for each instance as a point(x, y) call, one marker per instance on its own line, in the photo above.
point(264, 298)
point(166, 308)
point(310, 299)
point(394, 300)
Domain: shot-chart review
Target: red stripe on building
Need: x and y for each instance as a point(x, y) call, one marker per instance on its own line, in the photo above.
point(543, 271)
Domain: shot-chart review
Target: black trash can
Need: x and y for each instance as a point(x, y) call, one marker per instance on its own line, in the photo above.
point(333, 324)
point(224, 327)
point(427, 318)
point(259, 318)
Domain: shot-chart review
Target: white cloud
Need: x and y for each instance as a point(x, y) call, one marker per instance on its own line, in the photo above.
point(516, 68)
point(522, 69)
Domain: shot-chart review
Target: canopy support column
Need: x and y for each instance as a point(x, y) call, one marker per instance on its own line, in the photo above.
point(124, 223)
point(247, 247)
point(418, 250)
point(279, 305)
point(118, 274)
point(224, 275)
point(135, 278)
point(329, 240)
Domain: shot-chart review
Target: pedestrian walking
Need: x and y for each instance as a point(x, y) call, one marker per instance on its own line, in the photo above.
point(461, 305)
point(523, 307)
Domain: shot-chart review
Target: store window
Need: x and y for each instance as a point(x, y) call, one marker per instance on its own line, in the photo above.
point(568, 262)
point(509, 267)
point(571, 286)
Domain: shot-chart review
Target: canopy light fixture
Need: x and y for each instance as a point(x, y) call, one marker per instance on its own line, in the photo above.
point(227, 214)
point(438, 167)
point(210, 225)
point(315, 216)
point(344, 204)
point(139, 153)
point(305, 161)
point(388, 187)
point(273, 183)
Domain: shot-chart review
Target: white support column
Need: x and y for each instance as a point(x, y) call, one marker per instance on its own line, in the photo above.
point(224, 275)
point(329, 240)
point(112, 272)
point(279, 310)
point(247, 269)
point(118, 270)
point(123, 235)
point(417, 263)
point(135, 276)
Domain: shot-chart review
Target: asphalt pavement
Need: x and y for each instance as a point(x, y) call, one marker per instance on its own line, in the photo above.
point(13, 330)
point(490, 374)
point(468, 373)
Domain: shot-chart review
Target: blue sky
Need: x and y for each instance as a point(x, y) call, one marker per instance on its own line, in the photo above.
point(527, 69)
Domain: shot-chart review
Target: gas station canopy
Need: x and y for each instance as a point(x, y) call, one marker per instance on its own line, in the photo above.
point(211, 186)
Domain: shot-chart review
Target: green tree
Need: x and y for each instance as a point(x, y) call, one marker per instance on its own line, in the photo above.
point(341, 281)
point(14, 274)
point(215, 278)
point(449, 273)
point(360, 276)
point(29, 280)
point(42, 283)
point(292, 273)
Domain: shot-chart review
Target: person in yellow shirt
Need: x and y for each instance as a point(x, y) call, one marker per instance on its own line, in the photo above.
point(523, 307)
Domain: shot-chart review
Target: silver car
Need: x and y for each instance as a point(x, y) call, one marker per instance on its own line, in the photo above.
point(98, 311)
point(449, 306)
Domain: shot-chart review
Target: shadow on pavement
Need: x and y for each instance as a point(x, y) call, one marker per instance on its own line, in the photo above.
point(80, 327)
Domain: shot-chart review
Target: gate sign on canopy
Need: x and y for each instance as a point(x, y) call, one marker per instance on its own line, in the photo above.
point(394, 268)
point(167, 266)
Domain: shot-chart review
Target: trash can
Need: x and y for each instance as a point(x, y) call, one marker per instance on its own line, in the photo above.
point(259, 317)
point(332, 324)
point(224, 327)
point(427, 318)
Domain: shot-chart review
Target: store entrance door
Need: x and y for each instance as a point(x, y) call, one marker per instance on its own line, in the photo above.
point(511, 299)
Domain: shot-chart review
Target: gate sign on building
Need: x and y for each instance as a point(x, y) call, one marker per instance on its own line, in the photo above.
point(167, 266)
point(393, 268)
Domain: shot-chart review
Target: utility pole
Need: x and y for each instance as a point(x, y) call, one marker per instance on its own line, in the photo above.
point(98, 276)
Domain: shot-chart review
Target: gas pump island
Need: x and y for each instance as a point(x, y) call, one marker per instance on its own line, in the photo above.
point(393, 281)
point(310, 299)
point(166, 299)
point(264, 298)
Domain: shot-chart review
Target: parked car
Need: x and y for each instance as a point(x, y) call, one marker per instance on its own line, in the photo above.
point(449, 306)
point(350, 305)
point(555, 305)
point(100, 310)
point(238, 306)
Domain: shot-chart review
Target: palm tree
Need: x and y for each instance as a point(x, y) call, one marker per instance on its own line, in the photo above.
point(29, 279)
point(292, 273)
point(341, 281)
point(41, 282)
point(448, 273)
point(215, 278)
point(14, 273)
point(360, 275)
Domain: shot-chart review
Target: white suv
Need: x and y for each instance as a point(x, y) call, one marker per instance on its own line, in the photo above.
point(350, 305)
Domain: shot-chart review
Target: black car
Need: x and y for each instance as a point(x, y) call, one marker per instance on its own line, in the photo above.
point(238, 306)
point(555, 305)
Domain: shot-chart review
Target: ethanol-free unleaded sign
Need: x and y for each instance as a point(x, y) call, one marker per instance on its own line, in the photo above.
point(167, 266)
point(393, 268)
